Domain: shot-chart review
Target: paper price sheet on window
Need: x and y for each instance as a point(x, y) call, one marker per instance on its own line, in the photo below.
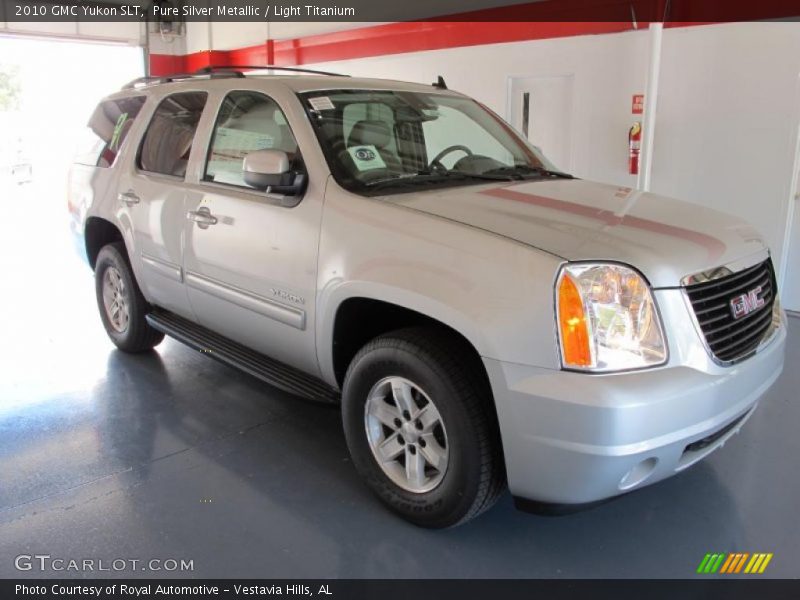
point(229, 149)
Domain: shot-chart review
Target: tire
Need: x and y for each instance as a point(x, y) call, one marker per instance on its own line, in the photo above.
point(439, 371)
point(114, 277)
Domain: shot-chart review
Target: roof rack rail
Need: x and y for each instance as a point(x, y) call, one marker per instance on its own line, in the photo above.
point(141, 82)
point(240, 68)
point(219, 72)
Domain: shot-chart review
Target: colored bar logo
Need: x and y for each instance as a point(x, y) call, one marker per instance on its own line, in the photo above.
point(734, 562)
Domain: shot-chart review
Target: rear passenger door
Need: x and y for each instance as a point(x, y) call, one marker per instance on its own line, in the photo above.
point(152, 194)
point(250, 264)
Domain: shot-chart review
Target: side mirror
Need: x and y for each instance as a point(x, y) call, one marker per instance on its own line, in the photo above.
point(270, 170)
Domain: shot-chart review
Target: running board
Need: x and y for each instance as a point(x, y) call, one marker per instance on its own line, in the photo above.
point(236, 355)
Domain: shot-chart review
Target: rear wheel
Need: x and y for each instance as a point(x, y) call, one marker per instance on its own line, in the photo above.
point(421, 429)
point(120, 302)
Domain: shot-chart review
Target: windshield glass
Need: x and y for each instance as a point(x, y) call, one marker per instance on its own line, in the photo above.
point(384, 141)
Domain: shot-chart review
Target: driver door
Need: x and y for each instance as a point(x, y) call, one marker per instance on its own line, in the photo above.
point(250, 258)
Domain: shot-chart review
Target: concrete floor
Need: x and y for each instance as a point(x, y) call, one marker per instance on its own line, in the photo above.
point(172, 455)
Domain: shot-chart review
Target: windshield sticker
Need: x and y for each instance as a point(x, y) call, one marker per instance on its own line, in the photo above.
point(321, 103)
point(366, 158)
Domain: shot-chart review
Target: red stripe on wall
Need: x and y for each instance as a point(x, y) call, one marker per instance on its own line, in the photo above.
point(164, 64)
point(399, 38)
point(378, 40)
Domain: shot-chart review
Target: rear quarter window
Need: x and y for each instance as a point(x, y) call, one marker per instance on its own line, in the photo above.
point(107, 130)
point(168, 141)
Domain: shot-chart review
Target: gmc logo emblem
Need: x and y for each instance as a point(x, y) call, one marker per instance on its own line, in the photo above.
point(746, 303)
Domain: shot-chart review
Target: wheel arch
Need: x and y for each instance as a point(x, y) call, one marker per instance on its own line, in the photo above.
point(99, 232)
point(358, 318)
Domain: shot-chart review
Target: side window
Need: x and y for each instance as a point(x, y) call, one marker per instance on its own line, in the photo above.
point(168, 140)
point(247, 121)
point(107, 129)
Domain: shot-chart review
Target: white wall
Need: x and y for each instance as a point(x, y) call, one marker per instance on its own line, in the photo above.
point(224, 36)
point(728, 113)
point(167, 43)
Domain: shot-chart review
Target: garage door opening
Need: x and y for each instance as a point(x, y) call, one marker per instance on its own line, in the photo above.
point(47, 92)
point(48, 89)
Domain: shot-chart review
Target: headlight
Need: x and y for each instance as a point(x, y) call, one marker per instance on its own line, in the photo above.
point(607, 319)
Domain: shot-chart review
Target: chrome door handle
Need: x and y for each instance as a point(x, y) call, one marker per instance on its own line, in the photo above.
point(203, 217)
point(129, 198)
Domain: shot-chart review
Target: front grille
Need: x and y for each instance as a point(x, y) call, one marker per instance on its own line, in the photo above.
point(730, 339)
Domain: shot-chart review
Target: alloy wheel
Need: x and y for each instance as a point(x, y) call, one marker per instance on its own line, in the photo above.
point(406, 434)
point(115, 300)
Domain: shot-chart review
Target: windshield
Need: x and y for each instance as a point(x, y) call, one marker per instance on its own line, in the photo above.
point(384, 141)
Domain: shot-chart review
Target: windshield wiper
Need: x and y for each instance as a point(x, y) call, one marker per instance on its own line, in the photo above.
point(522, 170)
point(428, 177)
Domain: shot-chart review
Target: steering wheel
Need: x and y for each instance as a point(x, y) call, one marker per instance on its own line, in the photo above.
point(436, 163)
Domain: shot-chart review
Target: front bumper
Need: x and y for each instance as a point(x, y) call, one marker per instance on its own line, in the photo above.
point(575, 438)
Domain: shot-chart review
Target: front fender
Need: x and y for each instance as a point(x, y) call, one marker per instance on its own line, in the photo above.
point(496, 292)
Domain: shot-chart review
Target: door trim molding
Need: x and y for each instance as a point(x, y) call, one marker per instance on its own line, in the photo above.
point(163, 267)
point(283, 313)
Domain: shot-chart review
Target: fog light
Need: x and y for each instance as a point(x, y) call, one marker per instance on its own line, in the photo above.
point(638, 473)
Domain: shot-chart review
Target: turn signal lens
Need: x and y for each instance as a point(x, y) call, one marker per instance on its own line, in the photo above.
point(607, 319)
point(575, 348)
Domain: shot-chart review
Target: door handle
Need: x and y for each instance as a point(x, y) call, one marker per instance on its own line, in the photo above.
point(130, 198)
point(203, 217)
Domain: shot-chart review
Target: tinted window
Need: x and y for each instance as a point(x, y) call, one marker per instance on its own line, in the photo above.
point(108, 127)
point(247, 121)
point(168, 141)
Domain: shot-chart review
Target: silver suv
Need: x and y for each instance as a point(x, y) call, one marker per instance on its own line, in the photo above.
point(398, 248)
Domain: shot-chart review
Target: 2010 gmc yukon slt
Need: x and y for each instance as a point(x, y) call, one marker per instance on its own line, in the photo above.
point(483, 318)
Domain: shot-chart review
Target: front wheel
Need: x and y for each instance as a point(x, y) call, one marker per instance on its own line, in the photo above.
point(120, 301)
point(421, 429)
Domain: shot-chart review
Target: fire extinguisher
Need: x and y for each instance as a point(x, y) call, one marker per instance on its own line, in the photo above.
point(634, 147)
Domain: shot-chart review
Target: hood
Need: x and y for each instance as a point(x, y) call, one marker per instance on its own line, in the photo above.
point(666, 239)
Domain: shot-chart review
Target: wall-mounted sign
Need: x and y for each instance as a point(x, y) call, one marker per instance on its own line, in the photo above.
point(637, 105)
